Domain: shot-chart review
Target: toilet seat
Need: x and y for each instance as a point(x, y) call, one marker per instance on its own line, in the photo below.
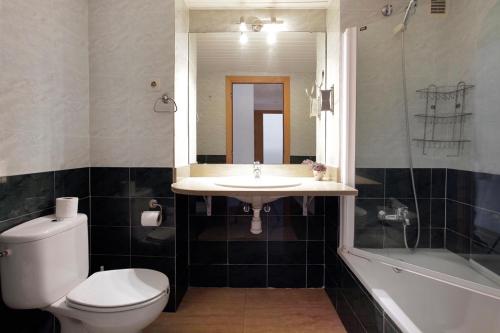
point(118, 290)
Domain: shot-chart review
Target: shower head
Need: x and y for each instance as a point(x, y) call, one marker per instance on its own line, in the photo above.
point(410, 10)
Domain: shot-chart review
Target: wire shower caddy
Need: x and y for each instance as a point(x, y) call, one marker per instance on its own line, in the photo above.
point(444, 94)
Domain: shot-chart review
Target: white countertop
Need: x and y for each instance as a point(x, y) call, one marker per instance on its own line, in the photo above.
point(308, 187)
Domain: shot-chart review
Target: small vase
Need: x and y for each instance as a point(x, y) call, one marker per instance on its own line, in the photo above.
point(318, 175)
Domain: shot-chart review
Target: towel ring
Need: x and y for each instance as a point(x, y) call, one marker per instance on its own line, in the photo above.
point(165, 100)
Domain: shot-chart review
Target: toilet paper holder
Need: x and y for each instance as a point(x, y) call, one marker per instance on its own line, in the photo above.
point(153, 203)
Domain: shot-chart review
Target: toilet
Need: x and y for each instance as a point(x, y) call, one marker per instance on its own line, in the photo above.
point(45, 266)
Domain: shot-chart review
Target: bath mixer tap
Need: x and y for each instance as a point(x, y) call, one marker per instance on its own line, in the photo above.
point(257, 171)
point(401, 214)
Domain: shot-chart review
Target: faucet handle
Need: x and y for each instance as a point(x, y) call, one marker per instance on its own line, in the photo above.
point(256, 163)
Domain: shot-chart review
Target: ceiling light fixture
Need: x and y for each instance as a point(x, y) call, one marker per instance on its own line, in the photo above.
point(272, 29)
point(243, 25)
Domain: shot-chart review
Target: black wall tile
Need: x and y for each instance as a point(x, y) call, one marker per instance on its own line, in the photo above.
point(298, 159)
point(247, 252)
point(287, 228)
point(315, 252)
point(438, 213)
point(286, 206)
point(151, 182)
point(438, 186)
point(287, 253)
point(287, 276)
point(84, 207)
point(235, 207)
point(198, 207)
point(151, 241)
point(485, 228)
point(458, 244)
point(315, 276)
point(398, 183)
point(208, 228)
point(315, 227)
point(110, 240)
point(208, 275)
point(247, 276)
point(460, 186)
point(160, 264)
point(207, 253)
point(459, 217)
point(486, 187)
point(239, 229)
point(375, 190)
point(110, 212)
point(348, 317)
point(109, 182)
point(25, 194)
point(211, 159)
point(108, 262)
point(437, 238)
point(72, 183)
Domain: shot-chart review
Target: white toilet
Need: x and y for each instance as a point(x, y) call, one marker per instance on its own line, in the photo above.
point(45, 266)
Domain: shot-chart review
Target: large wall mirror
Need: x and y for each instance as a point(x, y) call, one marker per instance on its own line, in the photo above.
point(251, 101)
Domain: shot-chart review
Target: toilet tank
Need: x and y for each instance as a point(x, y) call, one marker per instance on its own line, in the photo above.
point(47, 259)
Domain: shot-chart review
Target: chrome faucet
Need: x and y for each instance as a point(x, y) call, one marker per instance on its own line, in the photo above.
point(257, 171)
point(401, 214)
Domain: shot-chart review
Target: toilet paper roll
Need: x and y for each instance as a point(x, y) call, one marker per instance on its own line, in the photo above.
point(151, 219)
point(66, 208)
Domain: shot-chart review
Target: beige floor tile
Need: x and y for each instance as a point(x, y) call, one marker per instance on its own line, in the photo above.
point(226, 310)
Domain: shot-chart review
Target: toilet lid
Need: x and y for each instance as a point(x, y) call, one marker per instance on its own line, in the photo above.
point(119, 288)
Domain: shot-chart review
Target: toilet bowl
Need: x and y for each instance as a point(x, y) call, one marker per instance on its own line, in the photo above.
point(46, 267)
point(116, 301)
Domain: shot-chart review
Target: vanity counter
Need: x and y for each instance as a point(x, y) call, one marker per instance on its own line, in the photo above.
point(206, 186)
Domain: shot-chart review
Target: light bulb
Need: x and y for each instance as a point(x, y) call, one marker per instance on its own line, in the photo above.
point(271, 37)
point(243, 25)
point(243, 38)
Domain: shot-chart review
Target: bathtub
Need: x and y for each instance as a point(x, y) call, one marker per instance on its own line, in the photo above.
point(417, 302)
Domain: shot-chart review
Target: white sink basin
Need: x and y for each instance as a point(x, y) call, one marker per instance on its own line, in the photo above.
point(263, 182)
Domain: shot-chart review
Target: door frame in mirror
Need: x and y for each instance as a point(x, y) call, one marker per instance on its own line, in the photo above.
point(285, 80)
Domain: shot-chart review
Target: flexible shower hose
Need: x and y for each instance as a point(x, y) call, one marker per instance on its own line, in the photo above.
point(408, 142)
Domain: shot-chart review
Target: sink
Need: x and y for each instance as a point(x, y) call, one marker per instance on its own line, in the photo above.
point(263, 182)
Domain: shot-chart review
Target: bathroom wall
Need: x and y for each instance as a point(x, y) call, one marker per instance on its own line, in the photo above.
point(44, 86)
point(44, 119)
point(131, 44)
point(289, 253)
point(212, 113)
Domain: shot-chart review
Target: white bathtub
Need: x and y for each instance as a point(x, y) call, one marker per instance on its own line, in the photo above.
point(418, 303)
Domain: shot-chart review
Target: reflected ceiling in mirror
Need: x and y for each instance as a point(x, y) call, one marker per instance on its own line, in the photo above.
point(237, 88)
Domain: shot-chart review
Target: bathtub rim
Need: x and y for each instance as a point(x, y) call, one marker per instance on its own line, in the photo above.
point(406, 324)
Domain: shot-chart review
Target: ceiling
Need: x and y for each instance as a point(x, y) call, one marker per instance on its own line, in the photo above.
point(256, 4)
point(222, 52)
